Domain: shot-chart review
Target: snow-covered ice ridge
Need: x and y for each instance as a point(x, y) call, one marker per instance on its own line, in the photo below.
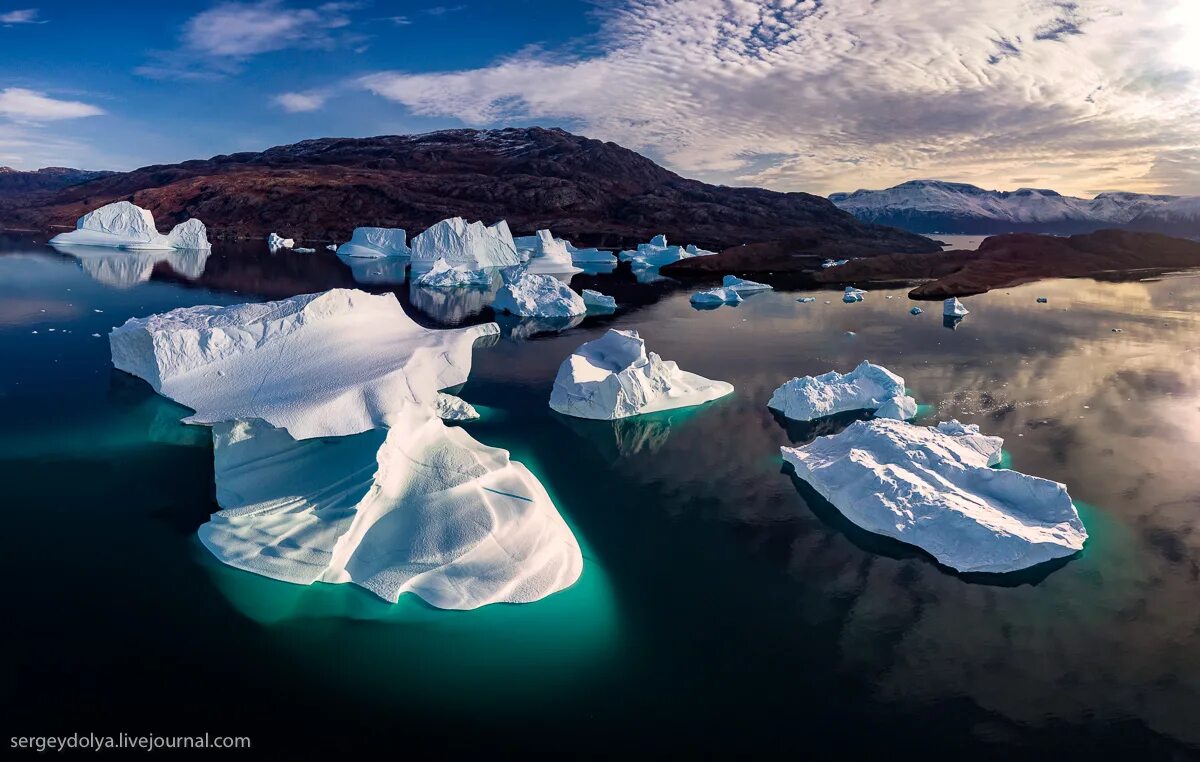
point(332, 460)
point(952, 203)
point(614, 377)
point(126, 226)
point(867, 387)
point(935, 488)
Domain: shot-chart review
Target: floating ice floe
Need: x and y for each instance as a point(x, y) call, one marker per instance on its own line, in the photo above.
point(915, 311)
point(933, 488)
point(546, 254)
point(532, 295)
point(469, 245)
point(744, 286)
point(451, 408)
point(867, 387)
point(126, 226)
point(331, 247)
point(806, 299)
point(420, 508)
point(614, 377)
point(598, 302)
point(311, 486)
point(714, 297)
point(374, 243)
point(952, 307)
point(657, 253)
point(328, 364)
point(852, 295)
point(445, 275)
point(275, 242)
point(304, 250)
point(833, 263)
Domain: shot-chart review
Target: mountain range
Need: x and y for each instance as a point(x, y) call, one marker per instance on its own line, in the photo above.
point(591, 192)
point(935, 206)
point(15, 182)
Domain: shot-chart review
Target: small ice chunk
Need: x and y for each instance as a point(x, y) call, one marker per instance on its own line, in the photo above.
point(952, 307)
point(304, 250)
point(614, 377)
point(597, 301)
point(1042, 300)
point(275, 242)
point(743, 286)
point(935, 488)
point(915, 311)
point(451, 408)
point(806, 299)
point(833, 263)
point(331, 247)
point(716, 296)
point(852, 295)
point(867, 387)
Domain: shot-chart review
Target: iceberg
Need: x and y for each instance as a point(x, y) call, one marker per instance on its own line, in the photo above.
point(806, 299)
point(546, 254)
point(275, 242)
point(590, 256)
point(532, 295)
point(304, 250)
point(445, 275)
point(833, 263)
point(420, 508)
point(598, 302)
point(331, 247)
point(373, 243)
point(934, 488)
point(954, 308)
point(451, 408)
point(467, 245)
point(716, 297)
point(915, 311)
point(614, 377)
point(867, 387)
point(657, 253)
point(126, 226)
point(329, 364)
point(734, 283)
point(852, 295)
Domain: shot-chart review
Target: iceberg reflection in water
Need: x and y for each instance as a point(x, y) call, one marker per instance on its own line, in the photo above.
point(122, 268)
point(381, 271)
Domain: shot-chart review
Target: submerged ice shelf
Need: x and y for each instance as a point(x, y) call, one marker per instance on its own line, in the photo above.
point(935, 488)
point(614, 377)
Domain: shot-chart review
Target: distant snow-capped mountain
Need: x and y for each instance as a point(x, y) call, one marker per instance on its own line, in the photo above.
point(934, 206)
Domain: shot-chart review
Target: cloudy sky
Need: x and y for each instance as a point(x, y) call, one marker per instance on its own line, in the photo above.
point(816, 95)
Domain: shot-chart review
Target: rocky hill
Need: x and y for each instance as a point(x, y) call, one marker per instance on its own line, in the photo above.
point(589, 191)
point(15, 182)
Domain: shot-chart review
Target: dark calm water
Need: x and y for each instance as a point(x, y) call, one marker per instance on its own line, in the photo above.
point(719, 611)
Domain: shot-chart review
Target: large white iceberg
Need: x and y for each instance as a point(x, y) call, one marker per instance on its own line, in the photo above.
point(867, 387)
point(532, 295)
point(933, 488)
point(546, 254)
point(275, 242)
point(734, 283)
point(714, 297)
point(952, 307)
point(420, 508)
point(445, 275)
point(126, 226)
point(376, 242)
point(328, 364)
point(470, 245)
point(614, 377)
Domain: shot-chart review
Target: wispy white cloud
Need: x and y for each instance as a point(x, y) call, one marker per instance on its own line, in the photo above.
point(296, 103)
point(834, 95)
point(216, 42)
point(22, 16)
point(21, 105)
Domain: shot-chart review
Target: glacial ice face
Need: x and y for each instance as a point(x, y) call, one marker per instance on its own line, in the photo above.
point(743, 287)
point(421, 508)
point(598, 302)
point(126, 226)
point(275, 242)
point(328, 364)
point(546, 254)
point(714, 297)
point(952, 307)
point(867, 387)
point(445, 275)
point(532, 295)
point(933, 488)
point(468, 245)
point(614, 377)
point(373, 243)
